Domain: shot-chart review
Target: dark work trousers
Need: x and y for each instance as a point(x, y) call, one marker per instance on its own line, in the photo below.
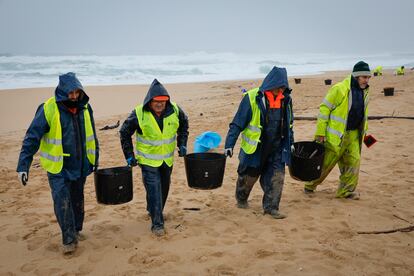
point(271, 170)
point(157, 184)
point(68, 202)
point(271, 180)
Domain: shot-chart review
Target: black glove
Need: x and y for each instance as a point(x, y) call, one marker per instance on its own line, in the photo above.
point(182, 151)
point(132, 162)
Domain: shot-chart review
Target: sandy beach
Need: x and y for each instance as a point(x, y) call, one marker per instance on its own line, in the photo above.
point(319, 237)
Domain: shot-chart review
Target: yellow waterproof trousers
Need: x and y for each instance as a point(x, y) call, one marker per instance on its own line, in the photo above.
point(348, 157)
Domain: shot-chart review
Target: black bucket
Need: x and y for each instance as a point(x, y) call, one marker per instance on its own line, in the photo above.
point(114, 185)
point(389, 91)
point(297, 81)
point(307, 160)
point(328, 82)
point(205, 170)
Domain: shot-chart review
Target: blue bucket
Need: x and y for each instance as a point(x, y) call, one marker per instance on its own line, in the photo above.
point(206, 141)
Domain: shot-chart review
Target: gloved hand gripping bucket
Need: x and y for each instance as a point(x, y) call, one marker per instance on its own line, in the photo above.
point(113, 185)
point(205, 171)
point(307, 160)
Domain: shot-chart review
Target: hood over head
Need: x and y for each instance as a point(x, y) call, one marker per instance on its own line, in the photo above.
point(276, 78)
point(156, 89)
point(67, 83)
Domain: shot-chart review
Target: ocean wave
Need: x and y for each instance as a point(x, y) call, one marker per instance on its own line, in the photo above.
point(35, 71)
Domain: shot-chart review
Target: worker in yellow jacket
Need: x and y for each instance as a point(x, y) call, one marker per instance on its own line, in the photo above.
point(63, 130)
point(341, 127)
point(400, 71)
point(378, 70)
point(160, 126)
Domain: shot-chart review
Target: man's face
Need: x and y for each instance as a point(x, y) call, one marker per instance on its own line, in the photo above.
point(363, 81)
point(158, 106)
point(277, 90)
point(74, 95)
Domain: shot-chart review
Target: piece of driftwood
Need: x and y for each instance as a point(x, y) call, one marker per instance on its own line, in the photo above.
point(110, 126)
point(398, 217)
point(379, 117)
point(192, 209)
point(390, 117)
point(402, 229)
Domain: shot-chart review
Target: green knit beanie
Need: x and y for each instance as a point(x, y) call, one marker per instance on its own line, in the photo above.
point(361, 69)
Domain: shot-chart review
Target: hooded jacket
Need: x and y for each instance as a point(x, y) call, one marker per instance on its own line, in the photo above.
point(276, 78)
point(131, 124)
point(73, 132)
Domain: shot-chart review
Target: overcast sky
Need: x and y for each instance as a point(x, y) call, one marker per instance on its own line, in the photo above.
point(106, 27)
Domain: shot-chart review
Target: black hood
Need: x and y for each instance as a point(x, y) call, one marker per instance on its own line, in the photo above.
point(156, 89)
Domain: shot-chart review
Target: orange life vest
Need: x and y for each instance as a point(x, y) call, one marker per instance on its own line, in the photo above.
point(274, 103)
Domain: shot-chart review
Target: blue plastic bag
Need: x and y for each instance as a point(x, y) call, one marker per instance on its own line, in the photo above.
point(207, 141)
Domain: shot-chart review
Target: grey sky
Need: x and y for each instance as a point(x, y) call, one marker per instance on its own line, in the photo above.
point(167, 27)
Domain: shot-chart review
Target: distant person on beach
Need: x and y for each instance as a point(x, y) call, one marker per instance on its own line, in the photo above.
point(160, 125)
point(400, 71)
point(64, 129)
point(378, 70)
point(264, 119)
point(341, 127)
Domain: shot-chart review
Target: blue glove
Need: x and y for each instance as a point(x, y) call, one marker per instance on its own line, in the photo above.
point(132, 162)
point(182, 151)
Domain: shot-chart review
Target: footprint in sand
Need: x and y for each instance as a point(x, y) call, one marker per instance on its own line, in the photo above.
point(346, 234)
point(222, 270)
point(174, 215)
point(90, 215)
point(79, 252)
point(201, 259)
point(53, 247)
point(229, 241)
point(344, 224)
point(294, 201)
point(46, 271)
point(119, 215)
point(309, 236)
point(103, 228)
point(217, 254)
point(210, 242)
point(36, 242)
point(102, 242)
point(243, 241)
point(124, 244)
point(96, 257)
point(85, 269)
point(262, 253)
point(28, 267)
point(29, 221)
point(13, 237)
point(331, 254)
point(152, 258)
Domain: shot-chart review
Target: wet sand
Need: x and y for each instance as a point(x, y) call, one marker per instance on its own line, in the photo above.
point(319, 237)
